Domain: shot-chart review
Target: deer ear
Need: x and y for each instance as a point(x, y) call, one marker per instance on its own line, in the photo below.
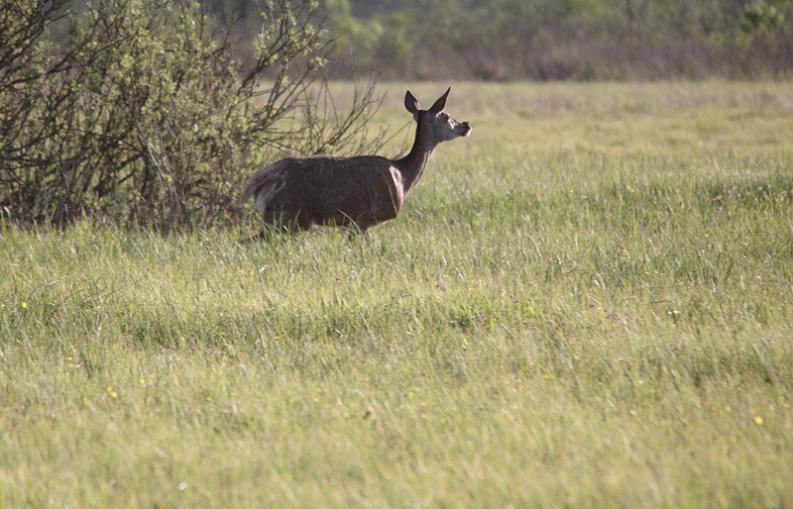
point(411, 103)
point(441, 102)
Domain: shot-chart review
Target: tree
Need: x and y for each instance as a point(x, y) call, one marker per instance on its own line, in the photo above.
point(144, 115)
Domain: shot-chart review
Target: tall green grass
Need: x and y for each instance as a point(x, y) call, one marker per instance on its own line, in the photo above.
point(584, 305)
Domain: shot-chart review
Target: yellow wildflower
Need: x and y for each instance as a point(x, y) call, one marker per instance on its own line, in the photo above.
point(112, 392)
point(759, 420)
point(23, 305)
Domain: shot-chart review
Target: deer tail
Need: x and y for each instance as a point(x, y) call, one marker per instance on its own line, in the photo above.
point(259, 179)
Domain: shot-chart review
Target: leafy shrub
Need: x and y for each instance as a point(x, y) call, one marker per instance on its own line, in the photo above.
point(142, 115)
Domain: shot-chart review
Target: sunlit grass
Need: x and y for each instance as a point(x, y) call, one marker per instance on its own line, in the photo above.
point(587, 303)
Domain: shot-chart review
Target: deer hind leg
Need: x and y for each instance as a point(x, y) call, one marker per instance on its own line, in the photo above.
point(286, 221)
point(262, 235)
point(358, 228)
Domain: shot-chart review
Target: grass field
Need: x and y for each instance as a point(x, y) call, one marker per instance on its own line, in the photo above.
point(587, 303)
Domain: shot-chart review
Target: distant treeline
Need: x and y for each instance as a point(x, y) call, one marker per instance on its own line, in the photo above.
point(552, 39)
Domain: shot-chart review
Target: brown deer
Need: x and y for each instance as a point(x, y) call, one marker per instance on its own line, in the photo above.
point(352, 192)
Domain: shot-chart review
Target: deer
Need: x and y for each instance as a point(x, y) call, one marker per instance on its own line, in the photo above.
point(356, 192)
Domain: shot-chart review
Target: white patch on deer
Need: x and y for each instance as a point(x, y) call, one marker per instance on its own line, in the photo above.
point(266, 193)
point(398, 185)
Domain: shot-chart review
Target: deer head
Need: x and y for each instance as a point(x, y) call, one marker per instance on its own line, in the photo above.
point(435, 123)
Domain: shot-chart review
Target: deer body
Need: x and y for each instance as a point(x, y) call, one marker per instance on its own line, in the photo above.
point(353, 192)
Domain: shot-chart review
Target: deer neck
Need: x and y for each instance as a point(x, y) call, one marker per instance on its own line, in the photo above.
point(412, 165)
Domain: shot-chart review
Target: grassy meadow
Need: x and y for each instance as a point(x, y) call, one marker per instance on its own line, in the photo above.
point(587, 303)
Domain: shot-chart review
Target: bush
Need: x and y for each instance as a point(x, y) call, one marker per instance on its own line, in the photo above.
point(142, 115)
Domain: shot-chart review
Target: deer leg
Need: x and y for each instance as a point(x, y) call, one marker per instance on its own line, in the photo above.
point(357, 229)
point(353, 233)
point(266, 234)
point(262, 235)
point(283, 222)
